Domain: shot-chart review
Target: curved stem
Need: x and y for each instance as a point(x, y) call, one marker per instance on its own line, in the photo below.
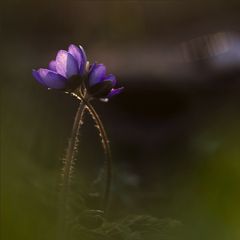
point(106, 146)
point(107, 150)
point(68, 167)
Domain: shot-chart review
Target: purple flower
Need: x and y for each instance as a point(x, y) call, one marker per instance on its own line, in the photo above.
point(69, 72)
point(99, 84)
point(66, 71)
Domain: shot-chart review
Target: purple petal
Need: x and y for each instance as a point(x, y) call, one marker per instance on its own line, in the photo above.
point(37, 77)
point(52, 79)
point(52, 66)
point(115, 92)
point(111, 78)
point(66, 65)
point(97, 74)
point(80, 56)
point(84, 57)
point(83, 53)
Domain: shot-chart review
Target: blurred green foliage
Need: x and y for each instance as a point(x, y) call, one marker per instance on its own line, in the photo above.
point(175, 145)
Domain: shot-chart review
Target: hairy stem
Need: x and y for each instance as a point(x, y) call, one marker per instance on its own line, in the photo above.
point(68, 168)
point(107, 151)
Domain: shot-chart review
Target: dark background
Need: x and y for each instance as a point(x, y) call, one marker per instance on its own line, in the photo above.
point(174, 130)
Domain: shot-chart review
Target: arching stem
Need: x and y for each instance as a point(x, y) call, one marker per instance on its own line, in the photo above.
point(68, 163)
point(107, 150)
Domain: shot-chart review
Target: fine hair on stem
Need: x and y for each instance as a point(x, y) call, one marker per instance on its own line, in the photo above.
point(106, 147)
point(68, 163)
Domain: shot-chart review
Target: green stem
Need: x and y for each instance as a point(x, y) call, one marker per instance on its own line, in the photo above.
point(68, 168)
point(107, 151)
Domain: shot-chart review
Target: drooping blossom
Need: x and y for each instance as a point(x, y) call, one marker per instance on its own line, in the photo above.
point(101, 85)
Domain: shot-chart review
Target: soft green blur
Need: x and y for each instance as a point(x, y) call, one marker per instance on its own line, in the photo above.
point(174, 132)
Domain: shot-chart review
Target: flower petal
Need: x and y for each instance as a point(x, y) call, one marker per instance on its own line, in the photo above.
point(79, 55)
point(66, 65)
point(111, 78)
point(84, 58)
point(52, 79)
point(52, 66)
point(97, 74)
point(114, 92)
point(36, 75)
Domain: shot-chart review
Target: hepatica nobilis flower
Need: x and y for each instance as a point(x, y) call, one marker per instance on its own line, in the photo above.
point(66, 72)
point(70, 71)
point(99, 84)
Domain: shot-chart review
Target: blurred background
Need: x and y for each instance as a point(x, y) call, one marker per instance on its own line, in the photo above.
point(174, 132)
